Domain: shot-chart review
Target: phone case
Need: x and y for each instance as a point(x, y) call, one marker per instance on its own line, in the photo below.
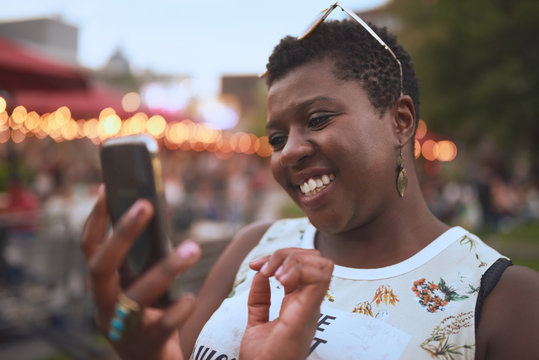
point(132, 170)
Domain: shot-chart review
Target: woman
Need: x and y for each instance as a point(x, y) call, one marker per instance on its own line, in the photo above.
point(342, 112)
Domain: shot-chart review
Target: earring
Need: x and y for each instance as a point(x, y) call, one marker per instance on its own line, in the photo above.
point(402, 177)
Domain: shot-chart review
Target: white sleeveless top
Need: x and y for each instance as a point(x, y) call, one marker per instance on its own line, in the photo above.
point(420, 308)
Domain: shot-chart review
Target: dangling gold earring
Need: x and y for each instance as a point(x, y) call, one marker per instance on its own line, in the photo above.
point(402, 177)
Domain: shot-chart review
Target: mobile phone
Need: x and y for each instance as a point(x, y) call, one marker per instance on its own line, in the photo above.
point(132, 170)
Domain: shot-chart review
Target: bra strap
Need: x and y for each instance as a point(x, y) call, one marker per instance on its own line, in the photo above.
point(488, 282)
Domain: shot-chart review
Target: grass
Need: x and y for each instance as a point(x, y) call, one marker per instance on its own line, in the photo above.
point(528, 232)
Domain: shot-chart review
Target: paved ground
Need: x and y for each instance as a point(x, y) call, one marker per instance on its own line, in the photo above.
point(73, 337)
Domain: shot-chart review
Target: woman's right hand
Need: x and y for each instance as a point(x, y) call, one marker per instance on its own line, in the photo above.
point(156, 336)
point(305, 276)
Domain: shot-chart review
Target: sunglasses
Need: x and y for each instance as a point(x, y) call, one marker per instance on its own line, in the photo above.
point(325, 13)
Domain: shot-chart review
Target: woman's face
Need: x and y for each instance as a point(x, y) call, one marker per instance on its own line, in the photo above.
point(334, 153)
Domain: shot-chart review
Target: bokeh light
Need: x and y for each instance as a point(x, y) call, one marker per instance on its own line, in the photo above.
point(429, 150)
point(62, 115)
point(417, 149)
point(4, 119)
point(421, 130)
point(447, 150)
point(32, 121)
point(218, 115)
point(19, 115)
point(262, 147)
point(156, 125)
point(111, 124)
point(131, 102)
point(183, 135)
point(4, 135)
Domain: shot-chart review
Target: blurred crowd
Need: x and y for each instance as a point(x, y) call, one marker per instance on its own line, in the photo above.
point(490, 199)
point(47, 190)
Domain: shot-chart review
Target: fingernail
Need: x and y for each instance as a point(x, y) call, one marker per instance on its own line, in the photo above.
point(101, 190)
point(279, 271)
point(264, 267)
point(138, 209)
point(187, 249)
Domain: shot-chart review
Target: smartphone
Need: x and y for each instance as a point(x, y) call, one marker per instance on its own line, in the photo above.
point(132, 170)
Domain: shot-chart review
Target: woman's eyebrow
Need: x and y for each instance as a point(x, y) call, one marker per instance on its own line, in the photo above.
point(302, 106)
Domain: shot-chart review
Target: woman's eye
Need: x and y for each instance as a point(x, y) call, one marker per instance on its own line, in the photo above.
point(277, 141)
point(319, 121)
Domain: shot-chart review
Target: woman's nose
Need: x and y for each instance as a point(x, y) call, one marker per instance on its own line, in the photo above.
point(297, 147)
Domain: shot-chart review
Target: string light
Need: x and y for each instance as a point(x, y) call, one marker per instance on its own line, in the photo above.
point(183, 135)
point(443, 151)
point(3, 104)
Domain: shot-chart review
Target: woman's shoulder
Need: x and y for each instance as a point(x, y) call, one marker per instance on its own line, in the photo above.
point(512, 304)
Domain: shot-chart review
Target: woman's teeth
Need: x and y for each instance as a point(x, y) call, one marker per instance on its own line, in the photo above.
point(315, 184)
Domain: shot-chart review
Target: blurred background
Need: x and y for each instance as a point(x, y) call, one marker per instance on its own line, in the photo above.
point(74, 73)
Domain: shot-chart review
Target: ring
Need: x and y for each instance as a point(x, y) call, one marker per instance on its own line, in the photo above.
point(126, 317)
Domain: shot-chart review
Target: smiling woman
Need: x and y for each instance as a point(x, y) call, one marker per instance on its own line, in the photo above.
point(370, 272)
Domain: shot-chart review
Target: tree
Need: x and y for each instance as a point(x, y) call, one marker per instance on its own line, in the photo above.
point(477, 67)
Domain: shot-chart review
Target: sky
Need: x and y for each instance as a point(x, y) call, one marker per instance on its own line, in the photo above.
point(202, 39)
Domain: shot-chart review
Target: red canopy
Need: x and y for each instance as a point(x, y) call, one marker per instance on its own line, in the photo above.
point(23, 68)
point(83, 103)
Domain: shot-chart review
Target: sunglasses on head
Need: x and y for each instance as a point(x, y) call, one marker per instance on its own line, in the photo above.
point(325, 13)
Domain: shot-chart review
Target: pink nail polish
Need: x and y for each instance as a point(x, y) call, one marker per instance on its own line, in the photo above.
point(264, 267)
point(138, 209)
point(187, 250)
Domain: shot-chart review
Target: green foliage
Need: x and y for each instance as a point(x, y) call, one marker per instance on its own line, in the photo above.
point(477, 66)
point(520, 244)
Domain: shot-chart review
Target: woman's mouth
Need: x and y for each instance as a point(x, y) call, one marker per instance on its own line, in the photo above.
point(315, 184)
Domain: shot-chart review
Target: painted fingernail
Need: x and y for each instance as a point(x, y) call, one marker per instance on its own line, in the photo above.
point(279, 271)
point(264, 267)
point(187, 249)
point(138, 209)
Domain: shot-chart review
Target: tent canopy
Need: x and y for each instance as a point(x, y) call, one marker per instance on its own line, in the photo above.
point(23, 68)
point(83, 103)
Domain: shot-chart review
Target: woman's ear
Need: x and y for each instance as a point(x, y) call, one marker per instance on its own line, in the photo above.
point(404, 119)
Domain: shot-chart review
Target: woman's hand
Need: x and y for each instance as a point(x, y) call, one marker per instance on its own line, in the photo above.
point(156, 336)
point(305, 276)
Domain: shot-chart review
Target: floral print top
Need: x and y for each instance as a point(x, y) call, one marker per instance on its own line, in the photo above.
point(420, 308)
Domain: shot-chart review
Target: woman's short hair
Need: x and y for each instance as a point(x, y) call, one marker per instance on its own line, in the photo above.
point(358, 57)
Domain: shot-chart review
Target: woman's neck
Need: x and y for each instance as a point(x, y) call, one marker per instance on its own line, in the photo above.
point(403, 230)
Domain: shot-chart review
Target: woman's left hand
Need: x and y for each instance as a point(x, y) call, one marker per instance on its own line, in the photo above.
point(155, 334)
point(305, 276)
